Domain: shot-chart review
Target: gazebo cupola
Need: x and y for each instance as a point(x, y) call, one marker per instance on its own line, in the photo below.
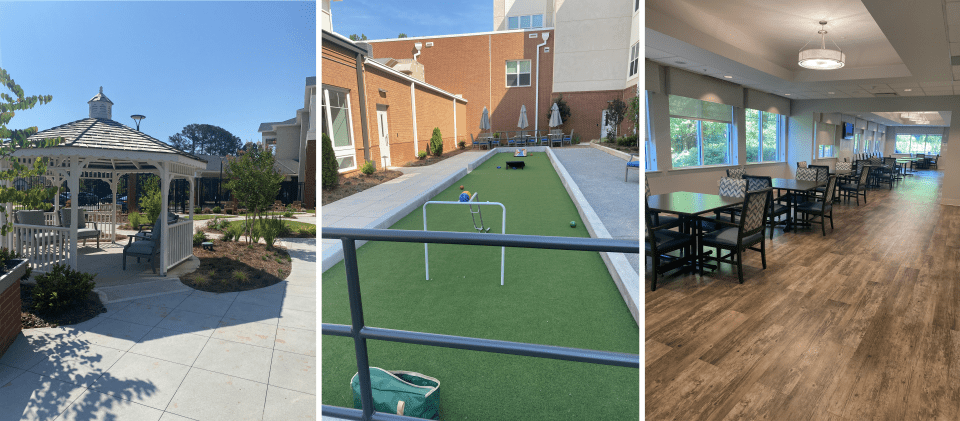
point(101, 106)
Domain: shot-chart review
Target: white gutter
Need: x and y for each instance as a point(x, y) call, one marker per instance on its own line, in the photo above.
point(455, 140)
point(413, 106)
point(536, 106)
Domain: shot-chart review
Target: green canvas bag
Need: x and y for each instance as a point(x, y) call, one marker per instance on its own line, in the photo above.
point(401, 393)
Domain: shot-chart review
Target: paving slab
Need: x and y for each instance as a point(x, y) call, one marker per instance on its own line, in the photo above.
point(289, 405)
point(209, 396)
point(99, 406)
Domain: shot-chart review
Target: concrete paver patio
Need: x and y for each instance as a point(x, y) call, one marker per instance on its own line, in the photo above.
point(188, 355)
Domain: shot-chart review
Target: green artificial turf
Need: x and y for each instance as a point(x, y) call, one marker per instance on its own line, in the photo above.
point(563, 298)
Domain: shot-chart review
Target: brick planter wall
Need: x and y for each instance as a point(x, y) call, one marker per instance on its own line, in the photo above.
point(9, 315)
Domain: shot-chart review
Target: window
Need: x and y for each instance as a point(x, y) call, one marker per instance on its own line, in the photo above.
point(525, 21)
point(649, 149)
point(856, 143)
point(336, 106)
point(518, 73)
point(826, 151)
point(763, 136)
point(919, 143)
point(634, 59)
point(636, 5)
point(700, 132)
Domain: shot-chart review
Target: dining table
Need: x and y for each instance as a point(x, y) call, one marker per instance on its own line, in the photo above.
point(798, 188)
point(689, 207)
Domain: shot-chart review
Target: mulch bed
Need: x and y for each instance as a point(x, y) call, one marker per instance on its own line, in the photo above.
point(237, 266)
point(81, 312)
point(430, 160)
point(627, 149)
point(355, 183)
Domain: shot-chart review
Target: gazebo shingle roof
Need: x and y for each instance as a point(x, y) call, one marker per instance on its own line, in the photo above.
point(101, 133)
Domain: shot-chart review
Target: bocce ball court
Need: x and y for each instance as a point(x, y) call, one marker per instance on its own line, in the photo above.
point(550, 297)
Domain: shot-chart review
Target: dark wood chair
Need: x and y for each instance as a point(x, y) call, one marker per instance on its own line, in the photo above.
point(822, 207)
point(737, 238)
point(660, 241)
point(857, 188)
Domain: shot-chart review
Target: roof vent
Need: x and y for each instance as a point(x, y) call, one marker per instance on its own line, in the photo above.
point(429, 44)
point(101, 106)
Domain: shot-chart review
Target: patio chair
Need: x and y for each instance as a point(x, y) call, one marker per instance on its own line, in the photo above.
point(631, 164)
point(145, 248)
point(556, 138)
point(544, 139)
point(739, 237)
point(495, 139)
point(83, 233)
point(568, 139)
point(142, 235)
point(479, 142)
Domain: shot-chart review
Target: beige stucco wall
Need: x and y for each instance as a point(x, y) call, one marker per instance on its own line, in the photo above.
point(326, 19)
point(596, 32)
point(504, 8)
point(288, 142)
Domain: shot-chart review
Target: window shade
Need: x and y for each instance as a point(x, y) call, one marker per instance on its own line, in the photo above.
point(694, 108)
point(691, 85)
point(766, 102)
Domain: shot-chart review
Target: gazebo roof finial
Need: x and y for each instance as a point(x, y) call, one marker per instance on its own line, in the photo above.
point(101, 89)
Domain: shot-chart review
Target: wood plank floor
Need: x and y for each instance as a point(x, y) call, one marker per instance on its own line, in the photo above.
point(863, 324)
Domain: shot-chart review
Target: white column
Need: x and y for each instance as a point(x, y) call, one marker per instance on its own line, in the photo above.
point(165, 236)
point(192, 181)
point(115, 181)
point(413, 106)
point(74, 185)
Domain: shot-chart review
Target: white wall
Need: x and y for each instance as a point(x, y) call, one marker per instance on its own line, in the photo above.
point(592, 45)
point(505, 8)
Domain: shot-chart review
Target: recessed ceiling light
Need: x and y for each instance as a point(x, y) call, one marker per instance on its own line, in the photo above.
point(831, 93)
point(907, 90)
point(728, 76)
point(787, 94)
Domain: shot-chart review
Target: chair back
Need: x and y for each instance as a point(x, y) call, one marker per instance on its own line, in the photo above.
point(875, 161)
point(802, 164)
point(807, 174)
point(736, 172)
point(864, 173)
point(732, 187)
point(823, 173)
point(755, 204)
point(30, 217)
point(828, 195)
point(647, 183)
point(758, 182)
point(65, 218)
point(845, 166)
point(920, 155)
point(889, 162)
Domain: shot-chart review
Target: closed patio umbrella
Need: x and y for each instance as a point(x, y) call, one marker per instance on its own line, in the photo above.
point(485, 120)
point(555, 116)
point(523, 118)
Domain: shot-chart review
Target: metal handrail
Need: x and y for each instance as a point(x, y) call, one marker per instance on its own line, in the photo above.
point(360, 333)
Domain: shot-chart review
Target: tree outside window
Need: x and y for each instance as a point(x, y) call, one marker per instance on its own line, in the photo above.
point(699, 132)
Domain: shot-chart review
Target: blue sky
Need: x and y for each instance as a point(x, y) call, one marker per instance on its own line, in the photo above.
point(416, 18)
point(229, 64)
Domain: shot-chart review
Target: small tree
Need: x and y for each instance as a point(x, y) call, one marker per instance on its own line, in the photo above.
point(564, 109)
point(328, 165)
point(436, 143)
point(254, 182)
point(634, 114)
point(616, 110)
point(354, 37)
point(13, 140)
point(402, 35)
point(150, 201)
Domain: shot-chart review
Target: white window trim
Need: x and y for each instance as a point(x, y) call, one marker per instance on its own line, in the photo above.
point(341, 151)
point(636, 72)
point(781, 129)
point(506, 73)
point(650, 152)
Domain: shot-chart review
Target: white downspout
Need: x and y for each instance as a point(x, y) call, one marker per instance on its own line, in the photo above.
point(536, 107)
point(413, 105)
point(456, 141)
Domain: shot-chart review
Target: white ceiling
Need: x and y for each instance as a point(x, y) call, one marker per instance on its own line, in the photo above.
point(893, 47)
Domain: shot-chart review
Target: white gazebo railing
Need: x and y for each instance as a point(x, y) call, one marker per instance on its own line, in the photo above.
point(180, 247)
point(42, 246)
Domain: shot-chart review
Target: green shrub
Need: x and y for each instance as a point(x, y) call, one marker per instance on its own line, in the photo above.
point(150, 201)
point(271, 229)
point(307, 231)
point(216, 209)
point(436, 143)
point(576, 139)
point(288, 214)
point(368, 168)
point(627, 140)
point(329, 167)
point(422, 155)
point(60, 289)
point(229, 211)
point(240, 276)
point(199, 238)
point(462, 144)
point(196, 209)
point(135, 219)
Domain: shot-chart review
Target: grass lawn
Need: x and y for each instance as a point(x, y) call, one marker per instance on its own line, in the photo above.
point(563, 298)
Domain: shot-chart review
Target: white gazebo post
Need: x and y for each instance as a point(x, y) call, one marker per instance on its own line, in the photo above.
point(74, 185)
point(165, 234)
point(114, 182)
point(191, 180)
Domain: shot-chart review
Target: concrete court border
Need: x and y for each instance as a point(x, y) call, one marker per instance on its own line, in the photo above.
point(626, 279)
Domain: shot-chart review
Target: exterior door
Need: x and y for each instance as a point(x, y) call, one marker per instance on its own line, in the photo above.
point(384, 139)
point(603, 125)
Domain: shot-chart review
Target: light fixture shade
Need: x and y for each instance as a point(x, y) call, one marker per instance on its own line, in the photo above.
point(822, 59)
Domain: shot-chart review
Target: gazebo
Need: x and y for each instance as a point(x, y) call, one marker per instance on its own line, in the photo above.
point(99, 148)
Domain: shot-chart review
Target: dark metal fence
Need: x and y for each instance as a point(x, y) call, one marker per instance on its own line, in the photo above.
point(360, 333)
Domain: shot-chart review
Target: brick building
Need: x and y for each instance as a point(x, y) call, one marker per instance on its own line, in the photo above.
point(588, 53)
point(375, 112)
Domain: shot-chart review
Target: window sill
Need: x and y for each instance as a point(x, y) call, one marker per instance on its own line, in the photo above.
point(750, 164)
point(704, 167)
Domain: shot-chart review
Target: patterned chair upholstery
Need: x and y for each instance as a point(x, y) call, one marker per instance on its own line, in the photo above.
point(807, 174)
point(736, 238)
point(843, 166)
point(732, 187)
point(755, 183)
point(738, 172)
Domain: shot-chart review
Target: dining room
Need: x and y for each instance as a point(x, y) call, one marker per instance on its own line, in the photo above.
point(799, 178)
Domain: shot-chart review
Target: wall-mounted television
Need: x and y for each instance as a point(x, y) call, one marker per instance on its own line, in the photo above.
point(847, 130)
